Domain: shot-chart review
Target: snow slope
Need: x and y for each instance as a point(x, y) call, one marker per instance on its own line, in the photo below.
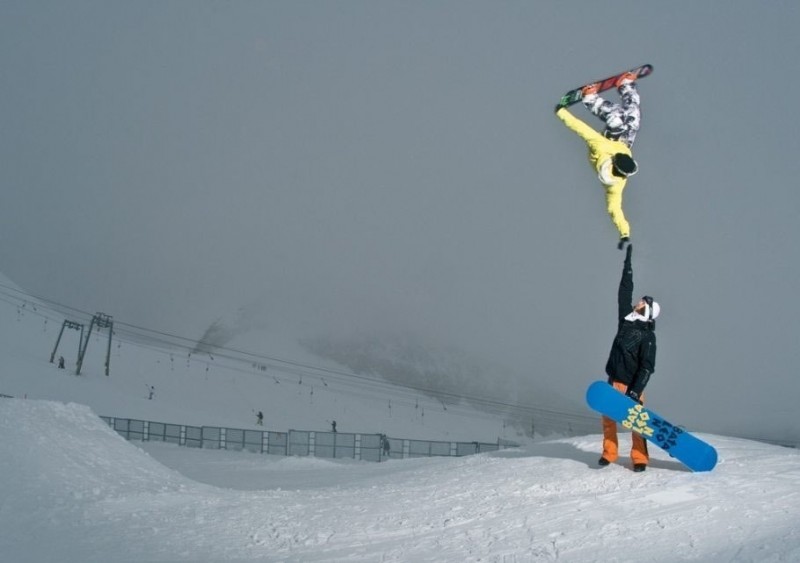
point(75, 491)
point(226, 389)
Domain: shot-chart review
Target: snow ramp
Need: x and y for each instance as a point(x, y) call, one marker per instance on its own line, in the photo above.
point(73, 490)
point(53, 450)
point(60, 466)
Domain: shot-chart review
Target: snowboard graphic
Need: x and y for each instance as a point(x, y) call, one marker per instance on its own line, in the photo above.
point(677, 442)
point(575, 96)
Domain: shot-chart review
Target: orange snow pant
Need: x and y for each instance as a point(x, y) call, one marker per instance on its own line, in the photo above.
point(610, 442)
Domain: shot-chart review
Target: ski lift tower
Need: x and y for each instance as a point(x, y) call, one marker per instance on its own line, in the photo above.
point(72, 325)
point(100, 320)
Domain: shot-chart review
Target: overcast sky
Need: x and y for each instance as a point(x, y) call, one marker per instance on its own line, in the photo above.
point(381, 166)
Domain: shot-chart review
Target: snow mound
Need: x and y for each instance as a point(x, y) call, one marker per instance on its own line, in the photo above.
point(75, 491)
point(67, 450)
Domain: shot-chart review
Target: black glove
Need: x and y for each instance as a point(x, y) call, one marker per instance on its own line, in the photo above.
point(634, 395)
point(622, 242)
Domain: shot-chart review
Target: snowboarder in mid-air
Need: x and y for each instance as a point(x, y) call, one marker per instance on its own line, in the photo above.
point(610, 152)
point(631, 361)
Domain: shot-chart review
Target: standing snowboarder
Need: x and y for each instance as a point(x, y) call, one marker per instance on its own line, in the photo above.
point(631, 361)
point(610, 152)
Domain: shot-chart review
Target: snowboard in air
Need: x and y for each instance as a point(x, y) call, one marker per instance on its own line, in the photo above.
point(574, 96)
point(693, 452)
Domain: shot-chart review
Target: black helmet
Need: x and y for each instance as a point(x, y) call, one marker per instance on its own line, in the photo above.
point(624, 165)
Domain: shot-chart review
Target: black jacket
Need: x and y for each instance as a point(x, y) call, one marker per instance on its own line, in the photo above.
point(632, 359)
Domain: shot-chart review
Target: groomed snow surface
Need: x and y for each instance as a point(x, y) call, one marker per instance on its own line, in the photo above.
point(73, 490)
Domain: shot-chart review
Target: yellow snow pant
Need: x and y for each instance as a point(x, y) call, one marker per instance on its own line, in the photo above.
point(610, 442)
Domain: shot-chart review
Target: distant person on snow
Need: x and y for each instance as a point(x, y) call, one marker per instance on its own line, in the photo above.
point(387, 447)
point(260, 418)
point(631, 362)
point(610, 153)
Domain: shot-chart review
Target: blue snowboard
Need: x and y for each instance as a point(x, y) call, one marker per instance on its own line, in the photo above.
point(677, 442)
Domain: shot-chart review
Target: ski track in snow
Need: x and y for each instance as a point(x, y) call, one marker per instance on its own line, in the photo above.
point(81, 493)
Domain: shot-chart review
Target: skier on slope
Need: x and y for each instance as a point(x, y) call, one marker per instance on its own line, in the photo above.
point(610, 153)
point(631, 362)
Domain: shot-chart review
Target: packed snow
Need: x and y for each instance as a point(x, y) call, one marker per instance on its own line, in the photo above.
point(74, 490)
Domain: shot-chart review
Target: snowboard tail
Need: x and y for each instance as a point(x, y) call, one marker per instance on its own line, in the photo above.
point(690, 450)
point(576, 95)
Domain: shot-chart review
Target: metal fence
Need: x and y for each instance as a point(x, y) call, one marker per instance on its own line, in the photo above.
point(304, 443)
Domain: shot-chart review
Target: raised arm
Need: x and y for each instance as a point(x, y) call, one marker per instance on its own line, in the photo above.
point(625, 291)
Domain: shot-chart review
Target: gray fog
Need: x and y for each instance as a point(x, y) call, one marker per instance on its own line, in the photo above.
point(382, 167)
